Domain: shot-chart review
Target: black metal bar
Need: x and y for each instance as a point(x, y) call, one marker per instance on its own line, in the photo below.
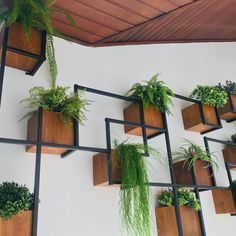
point(108, 94)
point(172, 175)
point(108, 140)
point(186, 98)
point(210, 167)
point(23, 52)
point(37, 174)
point(220, 141)
point(3, 60)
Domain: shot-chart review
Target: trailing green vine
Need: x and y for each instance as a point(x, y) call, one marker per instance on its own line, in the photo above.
point(134, 189)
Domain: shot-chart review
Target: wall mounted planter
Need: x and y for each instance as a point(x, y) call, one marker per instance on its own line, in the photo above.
point(152, 117)
point(223, 201)
point(199, 122)
point(228, 111)
point(167, 225)
point(18, 225)
point(54, 130)
point(230, 156)
point(18, 46)
point(100, 169)
point(184, 176)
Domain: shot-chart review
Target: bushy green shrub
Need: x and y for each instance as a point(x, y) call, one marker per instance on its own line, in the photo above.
point(185, 198)
point(134, 190)
point(57, 100)
point(14, 199)
point(229, 87)
point(190, 152)
point(209, 95)
point(153, 92)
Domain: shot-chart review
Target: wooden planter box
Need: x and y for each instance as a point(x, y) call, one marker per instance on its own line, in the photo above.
point(17, 39)
point(100, 169)
point(54, 130)
point(230, 156)
point(152, 117)
point(18, 225)
point(184, 176)
point(167, 225)
point(192, 119)
point(227, 112)
point(223, 201)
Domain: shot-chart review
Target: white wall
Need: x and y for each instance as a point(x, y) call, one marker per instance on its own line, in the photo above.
point(70, 205)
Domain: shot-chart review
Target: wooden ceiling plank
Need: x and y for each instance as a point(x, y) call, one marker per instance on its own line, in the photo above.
point(182, 2)
point(71, 31)
point(114, 10)
point(138, 8)
point(161, 5)
point(78, 8)
point(85, 24)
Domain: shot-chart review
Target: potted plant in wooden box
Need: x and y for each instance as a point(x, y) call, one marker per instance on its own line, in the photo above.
point(192, 157)
point(225, 199)
point(229, 153)
point(166, 217)
point(228, 111)
point(155, 96)
point(210, 98)
point(27, 19)
point(130, 168)
point(59, 111)
point(16, 204)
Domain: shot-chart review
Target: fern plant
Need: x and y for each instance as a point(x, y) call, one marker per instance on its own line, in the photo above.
point(57, 100)
point(190, 152)
point(153, 92)
point(134, 189)
point(185, 198)
point(210, 95)
point(36, 14)
point(14, 199)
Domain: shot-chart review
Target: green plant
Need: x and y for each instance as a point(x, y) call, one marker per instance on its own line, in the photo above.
point(209, 95)
point(134, 189)
point(14, 199)
point(233, 138)
point(185, 198)
point(229, 87)
point(153, 92)
point(191, 152)
point(36, 14)
point(57, 100)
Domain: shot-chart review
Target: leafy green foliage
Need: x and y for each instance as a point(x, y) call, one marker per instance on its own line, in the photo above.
point(14, 198)
point(233, 189)
point(229, 87)
point(153, 92)
point(209, 95)
point(37, 14)
point(134, 189)
point(233, 138)
point(191, 152)
point(185, 198)
point(57, 100)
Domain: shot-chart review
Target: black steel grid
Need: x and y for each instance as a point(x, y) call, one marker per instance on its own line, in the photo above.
point(108, 121)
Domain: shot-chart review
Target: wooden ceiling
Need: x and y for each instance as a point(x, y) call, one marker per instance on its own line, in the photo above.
point(126, 22)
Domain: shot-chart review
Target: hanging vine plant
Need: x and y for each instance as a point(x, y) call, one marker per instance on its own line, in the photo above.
point(134, 190)
point(36, 14)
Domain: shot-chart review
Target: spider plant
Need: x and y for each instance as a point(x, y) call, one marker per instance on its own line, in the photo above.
point(153, 92)
point(134, 190)
point(190, 152)
point(36, 14)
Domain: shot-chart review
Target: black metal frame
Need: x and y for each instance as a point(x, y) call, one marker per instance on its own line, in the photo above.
point(227, 164)
point(5, 47)
point(108, 121)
